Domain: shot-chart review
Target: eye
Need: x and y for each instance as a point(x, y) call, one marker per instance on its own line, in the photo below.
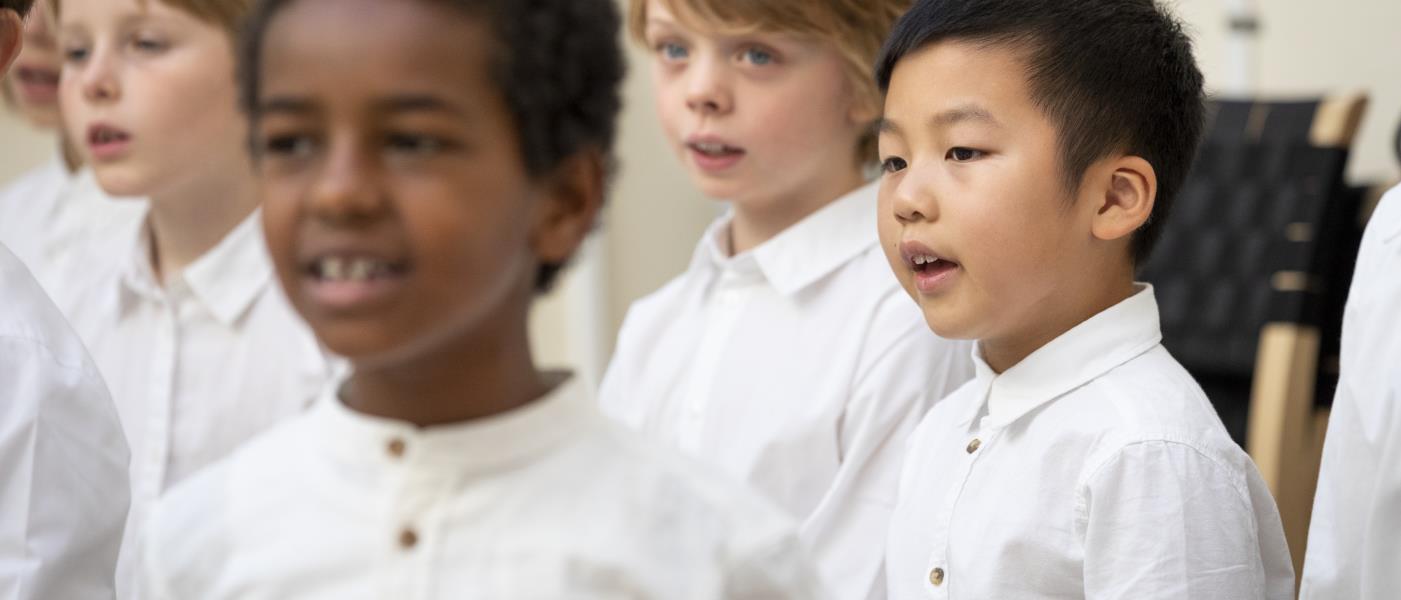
point(75, 54)
point(961, 154)
point(892, 164)
point(416, 145)
point(149, 44)
point(672, 51)
point(758, 56)
point(288, 146)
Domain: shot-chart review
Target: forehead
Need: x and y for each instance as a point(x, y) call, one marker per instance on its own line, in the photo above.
point(957, 74)
point(416, 45)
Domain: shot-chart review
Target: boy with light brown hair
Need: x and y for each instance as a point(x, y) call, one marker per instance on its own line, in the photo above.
point(199, 347)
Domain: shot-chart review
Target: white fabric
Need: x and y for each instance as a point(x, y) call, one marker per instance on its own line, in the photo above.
point(1100, 471)
point(59, 224)
point(548, 501)
point(63, 459)
point(198, 367)
point(798, 367)
point(1354, 549)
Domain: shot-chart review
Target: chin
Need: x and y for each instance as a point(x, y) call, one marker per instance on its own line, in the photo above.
point(121, 180)
point(947, 323)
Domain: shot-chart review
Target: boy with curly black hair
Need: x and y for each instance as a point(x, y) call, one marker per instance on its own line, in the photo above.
point(422, 180)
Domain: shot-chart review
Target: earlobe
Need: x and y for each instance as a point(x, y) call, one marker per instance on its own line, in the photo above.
point(11, 33)
point(567, 213)
point(1128, 198)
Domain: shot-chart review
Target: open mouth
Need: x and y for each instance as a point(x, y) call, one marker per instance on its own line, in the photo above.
point(37, 77)
point(354, 269)
point(929, 264)
point(932, 272)
point(714, 149)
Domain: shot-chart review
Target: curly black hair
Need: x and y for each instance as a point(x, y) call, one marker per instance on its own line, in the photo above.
point(20, 6)
point(1112, 75)
point(559, 65)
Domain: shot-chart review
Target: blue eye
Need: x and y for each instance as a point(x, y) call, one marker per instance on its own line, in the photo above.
point(964, 154)
point(148, 44)
point(75, 54)
point(758, 56)
point(892, 164)
point(672, 51)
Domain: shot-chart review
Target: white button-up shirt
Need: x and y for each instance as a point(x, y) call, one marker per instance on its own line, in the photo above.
point(198, 367)
point(57, 222)
point(1094, 468)
point(544, 502)
point(63, 459)
point(1354, 549)
point(799, 367)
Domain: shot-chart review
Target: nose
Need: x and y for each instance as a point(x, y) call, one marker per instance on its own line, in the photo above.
point(99, 78)
point(708, 87)
point(347, 190)
point(913, 199)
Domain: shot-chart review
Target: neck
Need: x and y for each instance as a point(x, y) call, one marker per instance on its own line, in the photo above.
point(1048, 324)
point(475, 376)
point(759, 220)
point(71, 159)
point(190, 221)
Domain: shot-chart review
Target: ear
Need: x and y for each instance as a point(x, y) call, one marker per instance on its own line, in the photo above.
point(570, 206)
point(11, 35)
point(1125, 199)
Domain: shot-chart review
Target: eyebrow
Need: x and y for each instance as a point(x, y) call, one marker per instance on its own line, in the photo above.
point(290, 105)
point(946, 118)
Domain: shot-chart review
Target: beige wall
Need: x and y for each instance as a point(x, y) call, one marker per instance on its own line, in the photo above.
point(21, 147)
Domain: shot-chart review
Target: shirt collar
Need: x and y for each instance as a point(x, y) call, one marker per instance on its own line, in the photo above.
point(226, 280)
point(1393, 229)
point(479, 445)
point(803, 253)
point(1088, 350)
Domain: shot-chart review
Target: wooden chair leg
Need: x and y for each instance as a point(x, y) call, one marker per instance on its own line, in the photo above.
point(1285, 432)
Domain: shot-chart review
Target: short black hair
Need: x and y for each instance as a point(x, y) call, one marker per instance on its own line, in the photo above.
point(558, 64)
point(20, 6)
point(1112, 75)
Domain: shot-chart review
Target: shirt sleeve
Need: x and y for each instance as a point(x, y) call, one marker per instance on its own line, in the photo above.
point(63, 476)
point(1165, 520)
point(906, 371)
point(776, 570)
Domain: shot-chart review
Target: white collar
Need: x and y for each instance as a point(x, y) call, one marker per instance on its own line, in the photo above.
point(1099, 344)
point(803, 253)
point(227, 279)
point(479, 445)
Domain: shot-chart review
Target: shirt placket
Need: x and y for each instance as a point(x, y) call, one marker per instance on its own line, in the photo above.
point(723, 309)
point(414, 519)
point(939, 577)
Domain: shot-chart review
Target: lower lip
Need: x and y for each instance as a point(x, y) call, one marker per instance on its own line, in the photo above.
point(352, 296)
point(712, 163)
point(935, 281)
point(108, 151)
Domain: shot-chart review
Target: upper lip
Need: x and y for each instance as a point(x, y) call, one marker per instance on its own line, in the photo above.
point(912, 251)
point(98, 131)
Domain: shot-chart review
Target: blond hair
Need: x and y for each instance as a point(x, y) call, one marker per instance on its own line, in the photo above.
point(856, 28)
point(226, 14)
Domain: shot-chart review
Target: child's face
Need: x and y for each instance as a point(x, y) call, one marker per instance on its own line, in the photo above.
point(33, 80)
point(972, 177)
point(756, 119)
point(396, 203)
point(148, 95)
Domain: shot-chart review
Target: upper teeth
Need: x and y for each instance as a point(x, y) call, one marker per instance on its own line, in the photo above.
point(925, 259)
point(710, 147)
point(337, 268)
